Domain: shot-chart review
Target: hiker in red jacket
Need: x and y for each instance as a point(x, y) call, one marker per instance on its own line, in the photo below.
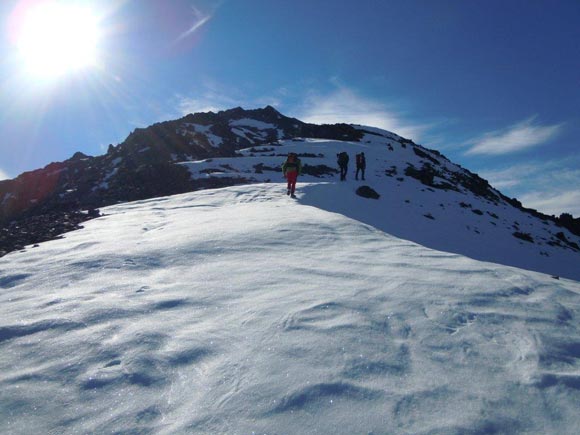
point(291, 168)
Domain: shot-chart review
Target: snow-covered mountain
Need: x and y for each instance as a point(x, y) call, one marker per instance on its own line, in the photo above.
point(143, 165)
point(424, 197)
point(38, 204)
point(243, 311)
point(240, 310)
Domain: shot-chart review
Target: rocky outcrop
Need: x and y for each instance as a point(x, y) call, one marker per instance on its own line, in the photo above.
point(36, 229)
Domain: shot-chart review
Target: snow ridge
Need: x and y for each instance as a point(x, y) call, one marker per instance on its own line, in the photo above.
point(424, 198)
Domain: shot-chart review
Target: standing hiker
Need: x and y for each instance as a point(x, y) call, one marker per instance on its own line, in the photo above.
point(342, 160)
point(361, 164)
point(291, 168)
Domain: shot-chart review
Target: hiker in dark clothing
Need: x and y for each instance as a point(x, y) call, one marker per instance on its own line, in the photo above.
point(291, 168)
point(361, 164)
point(342, 160)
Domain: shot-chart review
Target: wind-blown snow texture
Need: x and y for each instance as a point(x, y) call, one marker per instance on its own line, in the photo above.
point(243, 311)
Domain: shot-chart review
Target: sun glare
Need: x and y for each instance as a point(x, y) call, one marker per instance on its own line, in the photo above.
point(56, 38)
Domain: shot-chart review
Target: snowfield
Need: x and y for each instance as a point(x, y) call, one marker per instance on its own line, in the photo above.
point(451, 220)
point(242, 311)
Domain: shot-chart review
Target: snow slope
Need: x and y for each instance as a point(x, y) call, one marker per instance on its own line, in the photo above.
point(242, 311)
point(453, 220)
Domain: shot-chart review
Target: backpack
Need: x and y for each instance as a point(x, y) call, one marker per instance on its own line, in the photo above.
point(296, 165)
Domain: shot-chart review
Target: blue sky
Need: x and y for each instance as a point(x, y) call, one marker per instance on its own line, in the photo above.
point(493, 85)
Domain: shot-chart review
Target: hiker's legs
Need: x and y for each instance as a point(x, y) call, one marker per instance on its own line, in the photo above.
point(292, 176)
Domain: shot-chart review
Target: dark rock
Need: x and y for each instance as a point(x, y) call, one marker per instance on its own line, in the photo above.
point(560, 235)
point(567, 221)
point(263, 150)
point(425, 155)
point(260, 168)
point(79, 156)
point(318, 170)
point(425, 175)
point(367, 192)
point(36, 229)
point(523, 236)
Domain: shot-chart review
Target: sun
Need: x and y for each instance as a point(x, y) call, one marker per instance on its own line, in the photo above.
point(57, 37)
